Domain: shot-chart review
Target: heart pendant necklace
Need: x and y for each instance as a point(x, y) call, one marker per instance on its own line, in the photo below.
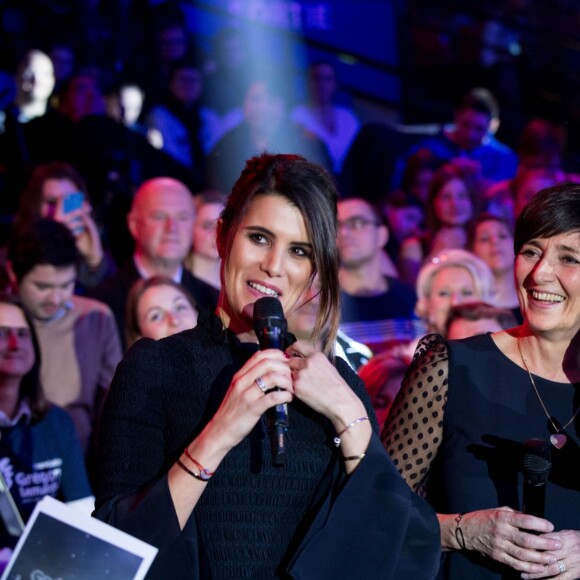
point(557, 439)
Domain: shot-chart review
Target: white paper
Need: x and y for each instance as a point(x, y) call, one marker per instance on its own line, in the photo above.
point(60, 542)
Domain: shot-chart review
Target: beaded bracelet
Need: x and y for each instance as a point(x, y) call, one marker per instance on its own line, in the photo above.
point(337, 439)
point(459, 532)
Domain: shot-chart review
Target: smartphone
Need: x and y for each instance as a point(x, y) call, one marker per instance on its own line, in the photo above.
point(73, 201)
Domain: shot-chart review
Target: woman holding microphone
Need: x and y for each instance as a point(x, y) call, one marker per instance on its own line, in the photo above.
point(186, 460)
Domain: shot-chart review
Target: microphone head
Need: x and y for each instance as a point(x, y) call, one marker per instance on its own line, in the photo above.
point(536, 461)
point(268, 313)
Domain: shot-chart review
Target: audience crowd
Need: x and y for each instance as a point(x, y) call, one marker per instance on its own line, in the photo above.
point(115, 166)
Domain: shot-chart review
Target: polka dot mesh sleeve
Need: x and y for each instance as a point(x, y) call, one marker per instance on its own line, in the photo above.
point(414, 427)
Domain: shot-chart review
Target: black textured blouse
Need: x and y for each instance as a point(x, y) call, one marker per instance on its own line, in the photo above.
point(251, 513)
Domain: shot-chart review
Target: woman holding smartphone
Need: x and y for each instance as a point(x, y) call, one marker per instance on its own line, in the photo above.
point(57, 190)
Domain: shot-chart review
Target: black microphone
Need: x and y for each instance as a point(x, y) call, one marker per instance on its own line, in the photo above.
point(536, 465)
point(270, 327)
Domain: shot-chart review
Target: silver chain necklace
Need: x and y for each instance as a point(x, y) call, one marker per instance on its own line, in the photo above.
point(557, 439)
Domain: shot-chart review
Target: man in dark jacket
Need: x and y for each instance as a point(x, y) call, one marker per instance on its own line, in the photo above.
point(161, 224)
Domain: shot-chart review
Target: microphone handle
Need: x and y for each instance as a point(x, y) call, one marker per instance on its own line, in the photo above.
point(278, 415)
point(534, 499)
point(278, 428)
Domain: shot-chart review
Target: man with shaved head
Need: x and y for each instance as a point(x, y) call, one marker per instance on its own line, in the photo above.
point(161, 224)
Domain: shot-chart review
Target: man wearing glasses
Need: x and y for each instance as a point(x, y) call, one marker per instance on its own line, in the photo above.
point(376, 309)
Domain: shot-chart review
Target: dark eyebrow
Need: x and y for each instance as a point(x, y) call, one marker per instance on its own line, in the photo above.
point(260, 229)
point(270, 233)
point(152, 309)
point(359, 216)
point(53, 285)
point(561, 247)
point(533, 242)
point(570, 249)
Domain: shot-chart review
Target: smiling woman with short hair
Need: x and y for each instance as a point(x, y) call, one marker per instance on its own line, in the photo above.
point(467, 407)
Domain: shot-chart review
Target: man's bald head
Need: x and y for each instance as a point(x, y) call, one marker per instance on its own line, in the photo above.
point(161, 222)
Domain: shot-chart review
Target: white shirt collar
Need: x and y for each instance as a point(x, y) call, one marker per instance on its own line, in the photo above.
point(144, 273)
point(23, 411)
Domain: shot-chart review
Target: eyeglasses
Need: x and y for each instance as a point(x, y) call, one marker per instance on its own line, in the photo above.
point(18, 331)
point(356, 223)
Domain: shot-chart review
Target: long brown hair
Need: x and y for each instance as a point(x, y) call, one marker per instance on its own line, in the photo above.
point(31, 196)
point(447, 172)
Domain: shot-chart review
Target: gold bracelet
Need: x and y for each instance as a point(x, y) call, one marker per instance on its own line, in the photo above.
point(354, 457)
point(337, 440)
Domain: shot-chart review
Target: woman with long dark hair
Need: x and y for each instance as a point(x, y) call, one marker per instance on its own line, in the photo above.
point(187, 460)
point(47, 193)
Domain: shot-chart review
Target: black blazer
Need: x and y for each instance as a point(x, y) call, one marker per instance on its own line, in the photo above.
point(114, 292)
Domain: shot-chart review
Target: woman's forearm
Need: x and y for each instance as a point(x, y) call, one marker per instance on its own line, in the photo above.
point(205, 452)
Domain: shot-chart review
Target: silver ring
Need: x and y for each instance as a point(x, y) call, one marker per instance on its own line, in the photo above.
point(261, 384)
point(562, 566)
